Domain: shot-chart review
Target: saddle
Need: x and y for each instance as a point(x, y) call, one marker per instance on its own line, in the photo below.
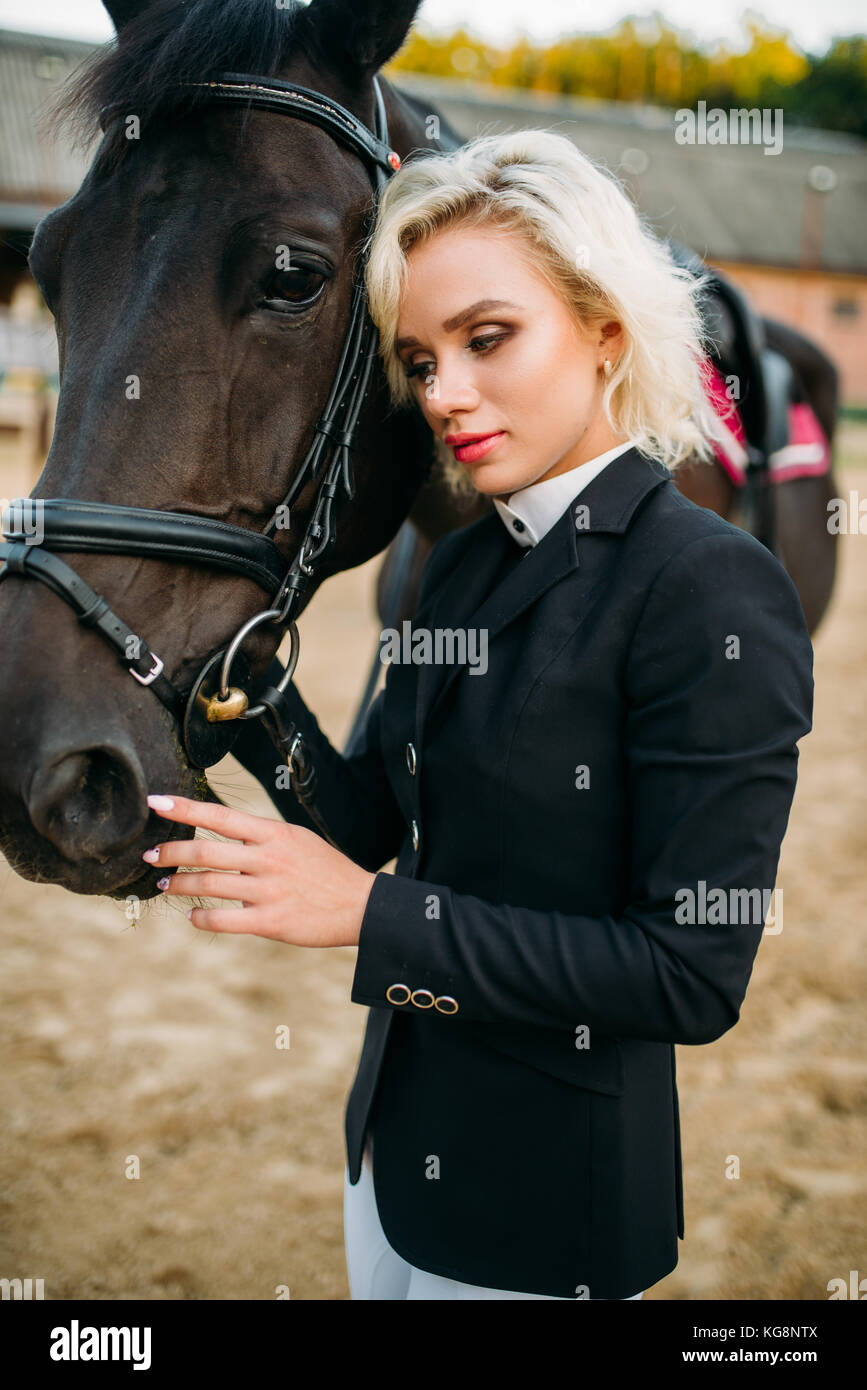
point(773, 433)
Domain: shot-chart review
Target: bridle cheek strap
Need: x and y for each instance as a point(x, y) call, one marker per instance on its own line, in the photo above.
point(209, 712)
point(92, 610)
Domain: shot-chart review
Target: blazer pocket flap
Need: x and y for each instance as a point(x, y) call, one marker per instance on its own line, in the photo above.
point(597, 1067)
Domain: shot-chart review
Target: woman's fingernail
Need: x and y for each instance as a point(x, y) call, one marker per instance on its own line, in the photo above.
point(151, 855)
point(163, 883)
point(161, 803)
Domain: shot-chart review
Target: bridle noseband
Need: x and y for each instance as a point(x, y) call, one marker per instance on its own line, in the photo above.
point(209, 712)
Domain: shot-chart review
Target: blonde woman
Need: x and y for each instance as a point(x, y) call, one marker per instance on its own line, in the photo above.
point(584, 765)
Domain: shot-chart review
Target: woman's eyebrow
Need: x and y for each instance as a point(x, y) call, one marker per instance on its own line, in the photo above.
point(480, 306)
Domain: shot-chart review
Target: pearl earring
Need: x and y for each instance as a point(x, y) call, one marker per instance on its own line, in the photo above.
point(606, 367)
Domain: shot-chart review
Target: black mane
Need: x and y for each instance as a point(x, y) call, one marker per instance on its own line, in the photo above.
point(174, 41)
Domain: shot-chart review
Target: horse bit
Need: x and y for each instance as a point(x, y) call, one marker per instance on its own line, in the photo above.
point(208, 714)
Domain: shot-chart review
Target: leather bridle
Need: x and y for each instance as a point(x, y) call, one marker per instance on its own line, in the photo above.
point(209, 712)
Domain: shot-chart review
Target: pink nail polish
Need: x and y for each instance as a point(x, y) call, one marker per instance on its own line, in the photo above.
point(151, 855)
point(161, 803)
point(163, 883)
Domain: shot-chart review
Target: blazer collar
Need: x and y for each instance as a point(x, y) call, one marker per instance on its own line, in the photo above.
point(541, 504)
point(467, 599)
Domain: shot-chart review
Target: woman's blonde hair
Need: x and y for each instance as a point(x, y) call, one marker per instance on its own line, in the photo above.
point(589, 243)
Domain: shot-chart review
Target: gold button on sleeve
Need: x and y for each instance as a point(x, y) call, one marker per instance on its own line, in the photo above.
point(446, 1004)
point(391, 998)
point(423, 999)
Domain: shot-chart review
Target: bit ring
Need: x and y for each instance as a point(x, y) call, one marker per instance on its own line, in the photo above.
point(267, 615)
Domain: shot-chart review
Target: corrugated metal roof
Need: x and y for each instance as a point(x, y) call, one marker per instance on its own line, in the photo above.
point(35, 174)
point(728, 202)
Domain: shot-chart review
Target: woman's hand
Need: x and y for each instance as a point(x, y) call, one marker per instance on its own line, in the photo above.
point(294, 885)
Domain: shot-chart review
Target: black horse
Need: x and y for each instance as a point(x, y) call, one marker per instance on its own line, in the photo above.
point(193, 373)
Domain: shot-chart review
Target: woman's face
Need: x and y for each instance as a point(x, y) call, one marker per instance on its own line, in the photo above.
point(499, 353)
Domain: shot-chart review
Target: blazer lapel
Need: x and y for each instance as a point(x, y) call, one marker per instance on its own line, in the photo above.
point(607, 503)
point(488, 549)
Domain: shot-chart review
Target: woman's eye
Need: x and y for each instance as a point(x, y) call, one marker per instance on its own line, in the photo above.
point(418, 369)
point(295, 288)
point(484, 344)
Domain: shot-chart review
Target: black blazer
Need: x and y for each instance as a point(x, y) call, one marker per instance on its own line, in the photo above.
point(634, 736)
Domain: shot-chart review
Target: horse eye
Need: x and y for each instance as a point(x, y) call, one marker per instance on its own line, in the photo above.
point(291, 289)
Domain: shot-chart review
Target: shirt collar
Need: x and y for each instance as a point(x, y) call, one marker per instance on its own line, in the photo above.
point(531, 512)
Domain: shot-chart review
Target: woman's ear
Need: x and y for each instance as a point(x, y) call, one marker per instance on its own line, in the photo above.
point(610, 341)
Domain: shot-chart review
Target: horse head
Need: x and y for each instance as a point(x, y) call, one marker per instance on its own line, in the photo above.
point(201, 280)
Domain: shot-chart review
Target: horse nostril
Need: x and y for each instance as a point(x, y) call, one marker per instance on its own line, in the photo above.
point(90, 803)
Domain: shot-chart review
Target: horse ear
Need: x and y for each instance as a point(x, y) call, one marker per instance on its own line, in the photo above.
point(122, 11)
point(357, 39)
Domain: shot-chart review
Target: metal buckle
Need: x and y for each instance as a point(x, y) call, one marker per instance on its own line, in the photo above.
point(151, 675)
point(290, 753)
point(302, 565)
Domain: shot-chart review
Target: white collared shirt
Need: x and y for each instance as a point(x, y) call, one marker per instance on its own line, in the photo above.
point(531, 512)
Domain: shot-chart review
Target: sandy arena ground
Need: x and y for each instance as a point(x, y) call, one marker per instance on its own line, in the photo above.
point(154, 1040)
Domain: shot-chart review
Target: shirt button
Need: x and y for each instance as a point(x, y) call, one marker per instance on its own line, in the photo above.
point(519, 525)
point(410, 759)
point(414, 829)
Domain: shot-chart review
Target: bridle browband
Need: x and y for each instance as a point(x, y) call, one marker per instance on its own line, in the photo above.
point(209, 712)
